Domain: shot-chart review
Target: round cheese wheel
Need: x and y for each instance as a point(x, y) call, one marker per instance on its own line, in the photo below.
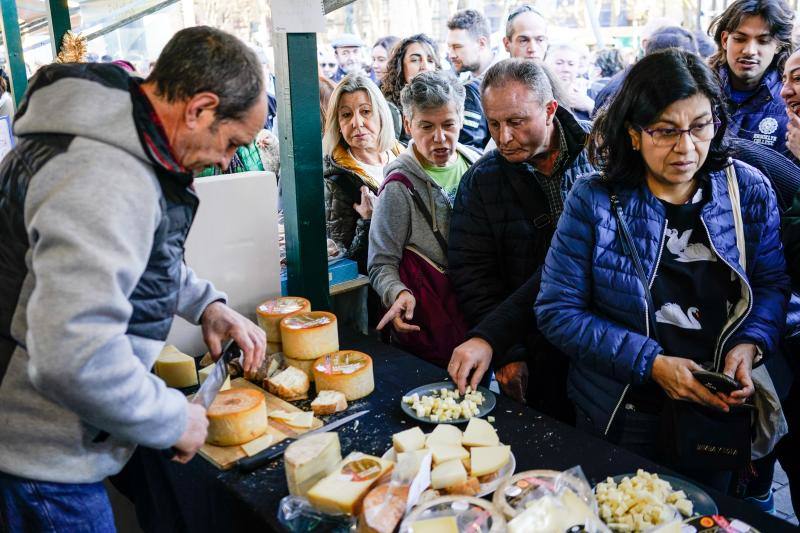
point(348, 371)
point(302, 364)
point(236, 416)
point(271, 312)
point(308, 336)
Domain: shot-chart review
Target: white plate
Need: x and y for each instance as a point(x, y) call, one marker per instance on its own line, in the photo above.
point(486, 488)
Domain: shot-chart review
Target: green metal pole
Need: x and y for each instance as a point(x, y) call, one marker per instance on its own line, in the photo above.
point(13, 41)
point(301, 166)
point(58, 15)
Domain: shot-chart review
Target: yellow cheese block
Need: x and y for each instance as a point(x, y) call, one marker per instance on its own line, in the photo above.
point(444, 434)
point(236, 416)
point(447, 452)
point(343, 490)
point(448, 474)
point(175, 368)
point(347, 371)
point(309, 335)
point(302, 364)
point(204, 372)
point(479, 432)
point(408, 440)
point(256, 445)
point(310, 459)
point(488, 459)
point(442, 524)
point(271, 312)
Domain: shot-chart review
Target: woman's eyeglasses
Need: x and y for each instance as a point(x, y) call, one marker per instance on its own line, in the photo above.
point(663, 137)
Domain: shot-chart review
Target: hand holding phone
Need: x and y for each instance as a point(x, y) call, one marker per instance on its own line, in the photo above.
point(717, 382)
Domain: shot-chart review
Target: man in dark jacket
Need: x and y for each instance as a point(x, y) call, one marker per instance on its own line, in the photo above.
point(92, 271)
point(754, 40)
point(504, 216)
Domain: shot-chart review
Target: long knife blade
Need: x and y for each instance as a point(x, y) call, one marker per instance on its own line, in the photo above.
point(210, 387)
point(263, 457)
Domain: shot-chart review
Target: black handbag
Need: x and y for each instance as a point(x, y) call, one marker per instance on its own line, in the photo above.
point(693, 436)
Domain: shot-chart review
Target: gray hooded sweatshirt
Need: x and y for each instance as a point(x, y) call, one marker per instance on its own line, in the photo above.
point(397, 223)
point(90, 215)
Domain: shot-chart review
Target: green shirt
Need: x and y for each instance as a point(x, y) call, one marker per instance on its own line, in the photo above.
point(448, 177)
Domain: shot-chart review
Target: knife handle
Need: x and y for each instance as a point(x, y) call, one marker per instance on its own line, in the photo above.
point(261, 458)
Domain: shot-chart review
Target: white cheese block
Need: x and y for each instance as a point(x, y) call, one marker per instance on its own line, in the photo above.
point(488, 459)
point(444, 434)
point(309, 335)
point(256, 445)
point(284, 416)
point(448, 474)
point(290, 384)
point(271, 312)
point(442, 524)
point(343, 490)
point(310, 459)
point(447, 452)
point(204, 372)
point(302, 420)
point(479, 432)
point(408, 440)
point(413, 459)
point(302, 364)
point(236, 416)
point(347, 371)
point(175, 368)
point(328, 402)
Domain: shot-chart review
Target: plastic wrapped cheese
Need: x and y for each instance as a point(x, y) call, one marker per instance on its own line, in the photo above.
point(310, 335)
point(343, 490)
point(472, 515)
point(271, 312)
point(310, 459)
point(347, 371)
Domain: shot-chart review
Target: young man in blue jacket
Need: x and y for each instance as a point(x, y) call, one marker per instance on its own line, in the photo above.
point(754, 40)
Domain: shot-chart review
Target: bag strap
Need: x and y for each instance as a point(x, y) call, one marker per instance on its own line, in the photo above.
point(400, 178)
point(630, 250)
point(736, 205)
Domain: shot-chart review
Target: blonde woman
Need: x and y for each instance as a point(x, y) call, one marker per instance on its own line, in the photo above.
point(358, 141)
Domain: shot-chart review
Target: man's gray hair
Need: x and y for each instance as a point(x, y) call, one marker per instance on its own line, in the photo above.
point(432, 89)
point(523, 71)
point(203, 59)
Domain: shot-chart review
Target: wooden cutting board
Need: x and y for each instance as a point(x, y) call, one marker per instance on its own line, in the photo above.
point(224, 457)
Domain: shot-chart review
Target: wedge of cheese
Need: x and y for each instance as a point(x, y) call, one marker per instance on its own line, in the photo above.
point(310, 459)
point(309, 335)
point(444, 434)
point(447, 452)
point(408, 440)
point(347, 371)
point(449, 474)
point(236, 416)
point(479, 432)
point(343, 490)
point(442, 524)
point(271, 312)
point(204, 372)
point(256, 445)
point(488, 459)
point(176, 368)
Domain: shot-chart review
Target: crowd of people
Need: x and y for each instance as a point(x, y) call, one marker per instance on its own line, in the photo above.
point(592, 237)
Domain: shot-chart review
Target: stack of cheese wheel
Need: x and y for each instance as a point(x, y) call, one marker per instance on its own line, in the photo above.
point(270, 314)
point(308, 336)
point(348, 371)
point(236, 416)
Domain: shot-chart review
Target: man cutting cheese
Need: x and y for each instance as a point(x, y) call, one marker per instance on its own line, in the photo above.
point(96, 200)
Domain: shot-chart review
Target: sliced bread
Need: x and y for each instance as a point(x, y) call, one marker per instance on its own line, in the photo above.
point(291, 384)
point(328, 402)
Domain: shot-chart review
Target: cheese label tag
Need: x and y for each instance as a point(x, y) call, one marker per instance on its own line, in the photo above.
point(281, 306)
point(517, 493)
point(306, 321)
point(342, 363)
point(364, 469)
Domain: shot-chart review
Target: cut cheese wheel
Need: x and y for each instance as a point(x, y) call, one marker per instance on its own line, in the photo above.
point(448, 474)
point(343, 490)
point(236, 416)
point(347, 371)
point(302, 364)
point(479, 432)
point(444, 434)
point(310, 459)
point(204, 372)
point(488, 459)
point(442, 524)
point(271, 312)
point(256, 445)
point(383, 508)
point(175, 368)
point(309, 335)
point(446, 452)
point(408, 440)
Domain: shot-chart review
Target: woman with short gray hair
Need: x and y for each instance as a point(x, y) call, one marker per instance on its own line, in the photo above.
point(408, 237)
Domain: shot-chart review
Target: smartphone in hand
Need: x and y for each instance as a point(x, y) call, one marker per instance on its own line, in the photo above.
point(717, 382)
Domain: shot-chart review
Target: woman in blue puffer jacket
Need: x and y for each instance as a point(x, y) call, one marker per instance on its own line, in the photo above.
point(660, 145)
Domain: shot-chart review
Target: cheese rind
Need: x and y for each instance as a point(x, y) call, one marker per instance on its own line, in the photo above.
point(175, 368)
point(408, 440)
point(347, 371)
point(309, 335)
point(308, 460)
point(271, 312)
point(448, 474)
point(343, 490)
point(479, 432)
point(328, 402)
point(488, 459)
point(236, 416)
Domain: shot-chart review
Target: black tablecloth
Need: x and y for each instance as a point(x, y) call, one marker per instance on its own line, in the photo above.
point(198, 497)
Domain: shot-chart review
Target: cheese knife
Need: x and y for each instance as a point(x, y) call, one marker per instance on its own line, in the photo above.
point(263, 457)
